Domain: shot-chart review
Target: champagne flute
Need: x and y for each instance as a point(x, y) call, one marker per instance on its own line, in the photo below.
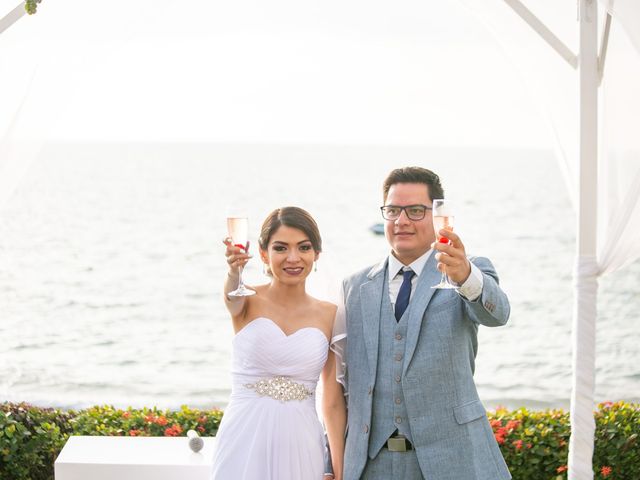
point(442, 214)
point(238, 229)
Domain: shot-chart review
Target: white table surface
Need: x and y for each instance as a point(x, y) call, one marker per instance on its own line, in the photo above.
point(128, 458)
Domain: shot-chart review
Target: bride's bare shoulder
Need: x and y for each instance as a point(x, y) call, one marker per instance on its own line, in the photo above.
point(253, 303)
point(260, 289)
point(326, 310)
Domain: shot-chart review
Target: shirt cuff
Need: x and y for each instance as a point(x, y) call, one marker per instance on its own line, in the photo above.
point(472, 287)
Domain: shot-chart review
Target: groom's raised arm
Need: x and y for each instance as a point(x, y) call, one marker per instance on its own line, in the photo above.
point(491, 308)
point(487, 304)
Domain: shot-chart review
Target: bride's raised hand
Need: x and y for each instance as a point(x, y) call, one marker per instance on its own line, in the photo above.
point(237, 256)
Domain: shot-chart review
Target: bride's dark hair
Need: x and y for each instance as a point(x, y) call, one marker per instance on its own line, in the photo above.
point(294, 217)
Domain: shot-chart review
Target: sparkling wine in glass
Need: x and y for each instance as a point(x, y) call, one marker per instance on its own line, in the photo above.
point(442, 214)
point(238, 229)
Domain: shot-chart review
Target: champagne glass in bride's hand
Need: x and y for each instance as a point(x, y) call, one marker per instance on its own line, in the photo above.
point(442, 219)
point(238, 229)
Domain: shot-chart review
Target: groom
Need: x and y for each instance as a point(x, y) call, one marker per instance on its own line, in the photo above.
point(414, 411)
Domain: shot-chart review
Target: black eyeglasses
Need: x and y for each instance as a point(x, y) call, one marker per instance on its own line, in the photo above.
point(414, 212)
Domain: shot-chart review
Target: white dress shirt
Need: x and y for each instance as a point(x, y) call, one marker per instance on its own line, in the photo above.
point(470, 289)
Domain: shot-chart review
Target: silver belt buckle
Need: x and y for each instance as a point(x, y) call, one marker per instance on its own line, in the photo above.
point(397, 444)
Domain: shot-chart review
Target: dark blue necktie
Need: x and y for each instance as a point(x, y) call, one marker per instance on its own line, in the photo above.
point(402, 302)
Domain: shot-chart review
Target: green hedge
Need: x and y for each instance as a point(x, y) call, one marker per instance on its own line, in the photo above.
point(534, 443)
point(31, 438)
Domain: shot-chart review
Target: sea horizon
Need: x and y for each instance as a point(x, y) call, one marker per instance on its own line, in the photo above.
point(111, 265)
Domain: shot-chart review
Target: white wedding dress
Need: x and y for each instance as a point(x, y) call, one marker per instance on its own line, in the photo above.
point(270, 429)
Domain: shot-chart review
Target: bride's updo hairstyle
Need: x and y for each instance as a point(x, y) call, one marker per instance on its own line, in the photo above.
point(293, 217)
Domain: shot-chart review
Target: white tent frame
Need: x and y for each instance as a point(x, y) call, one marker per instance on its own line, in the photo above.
point(12, 17)
point(589, 64)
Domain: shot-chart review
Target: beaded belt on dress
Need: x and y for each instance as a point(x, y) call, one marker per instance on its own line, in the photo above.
point(280, 388)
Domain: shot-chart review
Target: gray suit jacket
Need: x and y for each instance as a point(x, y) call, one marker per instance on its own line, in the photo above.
point(452, 437)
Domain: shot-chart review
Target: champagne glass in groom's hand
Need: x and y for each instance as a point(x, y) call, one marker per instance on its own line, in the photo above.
point(238, 229)
point(442, 219)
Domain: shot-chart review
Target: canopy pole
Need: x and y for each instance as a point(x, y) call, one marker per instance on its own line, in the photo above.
point(581, 443)
point(604, 43)
point(544, 31)
point(12, 17)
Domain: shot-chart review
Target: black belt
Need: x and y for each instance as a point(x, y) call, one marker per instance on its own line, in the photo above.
point(398, 444)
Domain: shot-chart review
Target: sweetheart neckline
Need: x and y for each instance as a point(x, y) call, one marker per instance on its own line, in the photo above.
point(281, 330)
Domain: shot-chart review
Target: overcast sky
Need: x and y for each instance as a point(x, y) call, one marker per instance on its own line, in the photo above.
point(355, 72)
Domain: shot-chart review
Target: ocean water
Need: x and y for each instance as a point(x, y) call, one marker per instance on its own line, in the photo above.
point(111, 266)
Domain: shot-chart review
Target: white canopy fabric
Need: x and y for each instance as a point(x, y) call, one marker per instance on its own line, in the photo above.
point(618, 219)
point(618, 192)
point(618, 187)
point(626, 13)
point(555, 95)
point(619, 162)
point(45, 70)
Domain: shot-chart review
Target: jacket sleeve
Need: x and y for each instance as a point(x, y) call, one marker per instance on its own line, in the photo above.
point(328, 467)
point(492, 307)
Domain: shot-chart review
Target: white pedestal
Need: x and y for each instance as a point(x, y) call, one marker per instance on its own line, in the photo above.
point(129, 458)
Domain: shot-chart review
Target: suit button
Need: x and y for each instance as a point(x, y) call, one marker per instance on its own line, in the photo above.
point(398, 337)
point(398, 357)
point(398, 401)
point(366, 428)
point(398, 420)
point(397, 378)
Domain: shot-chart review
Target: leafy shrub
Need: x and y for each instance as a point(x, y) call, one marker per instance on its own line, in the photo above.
point(535, 444)
point(617, 452)
point(148, 422)
point(30, 440)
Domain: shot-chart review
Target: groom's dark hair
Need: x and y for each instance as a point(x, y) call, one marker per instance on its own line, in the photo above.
point(414, 175)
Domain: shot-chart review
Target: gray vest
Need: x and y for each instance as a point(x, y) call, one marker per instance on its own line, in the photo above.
point(389, 411)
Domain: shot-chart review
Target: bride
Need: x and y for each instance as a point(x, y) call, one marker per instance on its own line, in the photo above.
point(270, 429)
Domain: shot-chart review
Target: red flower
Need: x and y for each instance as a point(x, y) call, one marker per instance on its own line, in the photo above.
point(173, 431)
point(561, 469)
point(500, 435)
point(606, 471)
point(162, 421)
point(135, 433)
point(512, 424)
point(606, 404)
point(529, 445)
point(202, 419)
point(126, 414)
point(150, 418)
point(518, 444)
point(495, 424)
point(201, 429)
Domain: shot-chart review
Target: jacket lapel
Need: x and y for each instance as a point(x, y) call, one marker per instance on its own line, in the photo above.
point(370, 303)
point(418, 304)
